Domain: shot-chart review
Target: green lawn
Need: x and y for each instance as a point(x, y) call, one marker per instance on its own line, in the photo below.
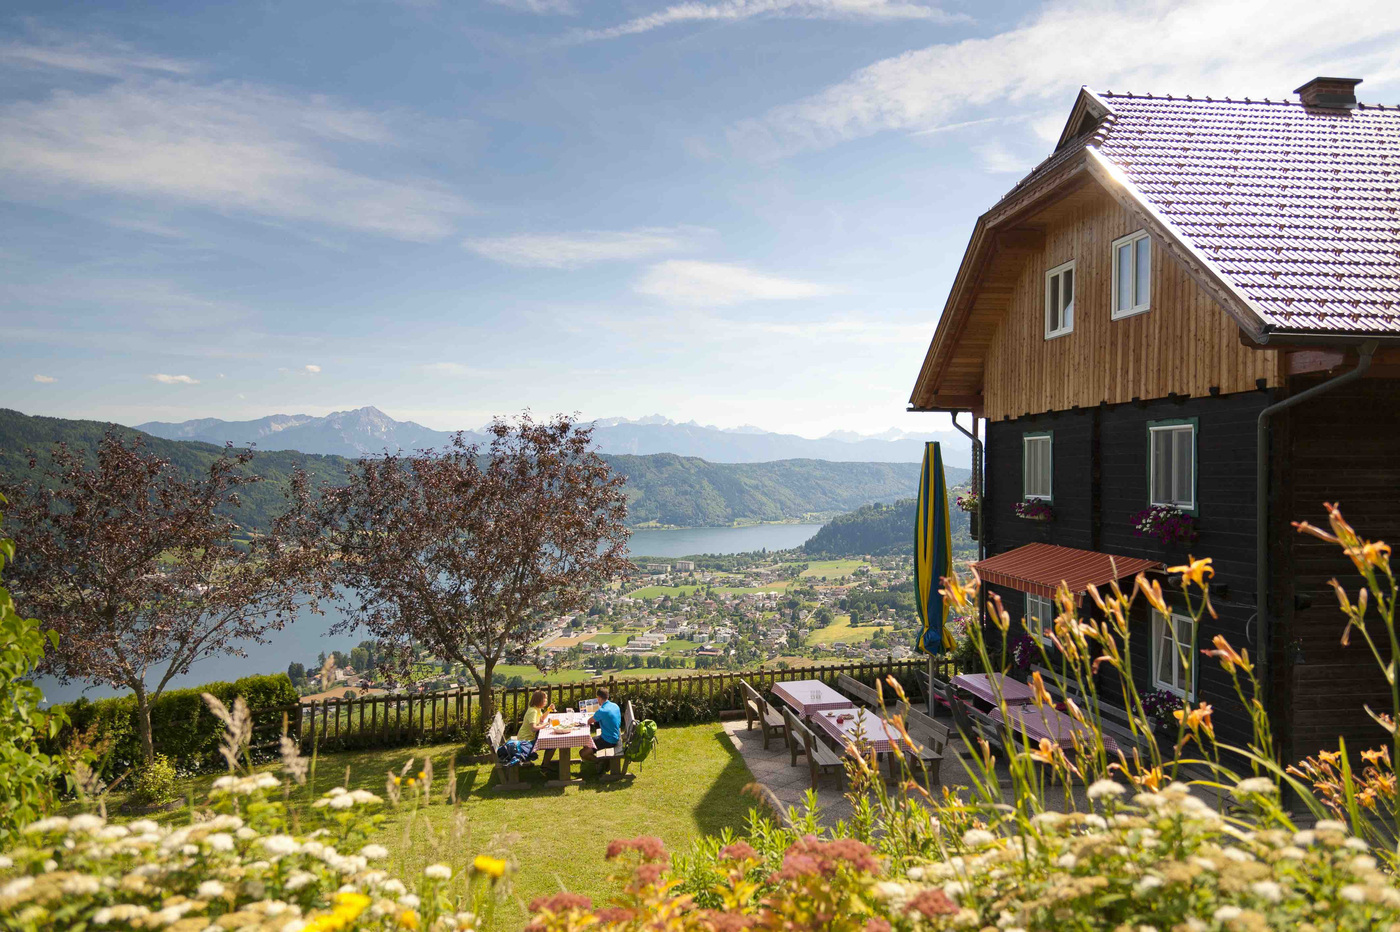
point(831, 569)
point(612, 640)
point(656, 592)
point(841, 630)
point(532, 674)
point(677, 646)
point(556, 837)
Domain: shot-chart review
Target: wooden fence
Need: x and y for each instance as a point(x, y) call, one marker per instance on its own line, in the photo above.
point(398, 719)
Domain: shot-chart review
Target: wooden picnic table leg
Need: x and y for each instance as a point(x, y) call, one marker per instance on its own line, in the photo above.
point(565, 764)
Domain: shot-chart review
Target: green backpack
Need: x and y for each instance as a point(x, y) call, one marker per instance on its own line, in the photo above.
point(643, 742)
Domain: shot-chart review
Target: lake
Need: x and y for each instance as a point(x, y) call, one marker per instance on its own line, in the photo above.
point(308, 636)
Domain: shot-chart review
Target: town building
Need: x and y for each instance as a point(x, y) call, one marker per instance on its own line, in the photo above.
point(1192, 305)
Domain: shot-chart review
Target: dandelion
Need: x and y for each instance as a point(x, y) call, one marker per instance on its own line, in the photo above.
point(437, 872)
point(494, 867)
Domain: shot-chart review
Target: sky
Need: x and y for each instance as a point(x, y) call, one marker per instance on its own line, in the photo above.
point(731, 211)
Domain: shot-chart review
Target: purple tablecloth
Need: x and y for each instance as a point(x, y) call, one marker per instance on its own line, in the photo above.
point(1046, 722)
point(980, 685)
point(808, 696)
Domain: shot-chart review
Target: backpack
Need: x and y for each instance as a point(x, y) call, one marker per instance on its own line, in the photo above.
point(642, 743)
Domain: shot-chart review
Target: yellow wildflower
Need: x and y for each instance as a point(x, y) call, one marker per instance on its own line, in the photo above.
point(408, 919)
point(484, 864)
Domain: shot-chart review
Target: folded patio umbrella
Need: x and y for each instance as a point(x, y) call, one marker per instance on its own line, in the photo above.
point(933, 554)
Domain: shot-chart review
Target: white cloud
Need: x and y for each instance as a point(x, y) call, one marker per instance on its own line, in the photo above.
point(447, 368)
point(735, 10)
point(45, 379)
point(99, 56)
point(231, 147)
point(164, 379)
point(683, 281)
point(574, 250)
point(1247, 47)
point(311, 369)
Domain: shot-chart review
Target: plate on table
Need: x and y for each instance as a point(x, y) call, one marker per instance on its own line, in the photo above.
point(561, 729)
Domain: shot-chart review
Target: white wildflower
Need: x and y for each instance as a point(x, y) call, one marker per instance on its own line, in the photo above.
point(1226, 913)
point(437, 872)
point(409, 901)
point(1353, 893)
point(1103, 789)
point(1049, 819)
point(1304, 838)
point(374, 852)
point(954, 890)
point(1267, 890)
point(394, 887)
point(143, 826)
point(1238, 856)
point(210, 889)
point(1095, 821)
point(1357, 844)
point(5, 863)
point(976, 837)
point(220, 841)
point(1329, 825)
point(1292, 852)
point(1262, 786)
point(81, 885)
point(50, 866)
point(1067, 861)
point(1362, 863)
point(299, 880)
point(889, 890)
point(342, 802)
point(915, 873)
point(15, 887)
point(245, 833)
point(1147, 884)
point(278, 845)
point(85, 823)
point(44, 826)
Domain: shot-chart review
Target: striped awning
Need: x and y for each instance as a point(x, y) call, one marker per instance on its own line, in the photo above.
point(1040, 568)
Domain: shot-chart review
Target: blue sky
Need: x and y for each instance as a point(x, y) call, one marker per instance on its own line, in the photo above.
point(736, 211)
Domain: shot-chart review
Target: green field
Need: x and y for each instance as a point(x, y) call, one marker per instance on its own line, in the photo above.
point(832, 569)
point(778, 586)
point(677, 646)
point(611, 640)
point(532, 674)
point(841, 630)
point(656, 592)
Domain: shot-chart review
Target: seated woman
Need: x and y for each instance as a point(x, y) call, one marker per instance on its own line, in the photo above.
point(536, 720)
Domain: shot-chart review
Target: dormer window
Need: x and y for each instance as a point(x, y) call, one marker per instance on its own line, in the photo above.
point(1059, 300)
point(1132, 274)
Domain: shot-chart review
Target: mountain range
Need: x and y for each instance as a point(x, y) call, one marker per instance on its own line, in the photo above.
point(369, 431)
point(662, 489)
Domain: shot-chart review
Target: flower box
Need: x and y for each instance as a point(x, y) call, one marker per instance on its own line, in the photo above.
point(1169, 525)
point(1034, 509)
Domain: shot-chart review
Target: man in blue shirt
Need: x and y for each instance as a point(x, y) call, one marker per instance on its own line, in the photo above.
point(608, 718)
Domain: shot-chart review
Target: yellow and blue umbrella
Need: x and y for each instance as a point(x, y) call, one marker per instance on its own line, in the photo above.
point(933, 554)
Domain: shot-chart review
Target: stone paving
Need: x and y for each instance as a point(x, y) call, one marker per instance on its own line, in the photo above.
point(788, 785)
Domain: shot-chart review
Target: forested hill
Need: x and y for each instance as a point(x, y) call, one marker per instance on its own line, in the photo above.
point(881, 529)
point(661, 488)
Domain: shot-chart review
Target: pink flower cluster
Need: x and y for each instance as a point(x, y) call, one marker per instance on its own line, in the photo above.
point(1034, 508)
point(1167, 524)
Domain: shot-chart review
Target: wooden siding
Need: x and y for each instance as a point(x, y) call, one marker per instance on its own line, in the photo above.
point(1100, 482)
point(1186, 344)
point(1343, 447)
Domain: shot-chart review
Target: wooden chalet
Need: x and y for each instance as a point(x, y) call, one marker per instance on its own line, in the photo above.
point(1193, 304)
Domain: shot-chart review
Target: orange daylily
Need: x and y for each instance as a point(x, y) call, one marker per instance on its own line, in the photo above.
point(1194, 571)
point(1229, 657)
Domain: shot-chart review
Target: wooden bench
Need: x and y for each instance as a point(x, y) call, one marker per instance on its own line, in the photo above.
point(931, 735)
point(858, 691)
point(756, 709)
point(934, 686)
point(612, 762)
point(507, 778)
point(795, 747)
point(820, 758)
point(1116, 721)
point(971, 723)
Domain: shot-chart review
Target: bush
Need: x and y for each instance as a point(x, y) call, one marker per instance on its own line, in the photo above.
point(154, 784)
point(28, 776)
point(182, 726)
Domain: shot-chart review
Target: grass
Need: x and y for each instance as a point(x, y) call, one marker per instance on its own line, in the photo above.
point(612, 640)
point(778, 586)
point(656, 592)
point(832, 569)
point(532, 674)
point(841, 630)
point(677, 646)
point(556, 837)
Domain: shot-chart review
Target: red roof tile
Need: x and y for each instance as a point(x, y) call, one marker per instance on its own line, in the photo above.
point(1298, 207)
point(1040, 568)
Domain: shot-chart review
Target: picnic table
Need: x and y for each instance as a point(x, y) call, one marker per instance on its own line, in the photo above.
point(809, 696)
point(574, 734)
point(844, 725)
point(982, 686)
point(1046, 722)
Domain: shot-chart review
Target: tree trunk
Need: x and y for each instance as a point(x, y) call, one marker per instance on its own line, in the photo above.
point(487, 705)
point(143, 722)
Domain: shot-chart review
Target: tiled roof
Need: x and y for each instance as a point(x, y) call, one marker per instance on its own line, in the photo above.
point(1298, 207)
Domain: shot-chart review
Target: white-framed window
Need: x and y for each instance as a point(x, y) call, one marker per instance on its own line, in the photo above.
point(1059, 300)
point(1173, 657)
point(1040, 615)
point(1132, 274)
point(1172, 464)
point(1036, 465)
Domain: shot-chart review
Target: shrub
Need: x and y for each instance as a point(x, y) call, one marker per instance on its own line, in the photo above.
point(154, 784)
point(28, 776)
point(182, 727)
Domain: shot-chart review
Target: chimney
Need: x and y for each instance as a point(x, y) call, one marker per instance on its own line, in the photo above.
point(1332, 93)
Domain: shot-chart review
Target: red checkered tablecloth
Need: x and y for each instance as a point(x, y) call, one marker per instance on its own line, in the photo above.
point(576, 737)
point(808, 696)
point(843, 725)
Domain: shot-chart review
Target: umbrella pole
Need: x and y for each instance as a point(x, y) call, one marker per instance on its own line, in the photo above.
point(929, 697)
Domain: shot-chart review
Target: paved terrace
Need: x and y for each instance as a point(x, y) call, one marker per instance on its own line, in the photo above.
point(787, 784)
